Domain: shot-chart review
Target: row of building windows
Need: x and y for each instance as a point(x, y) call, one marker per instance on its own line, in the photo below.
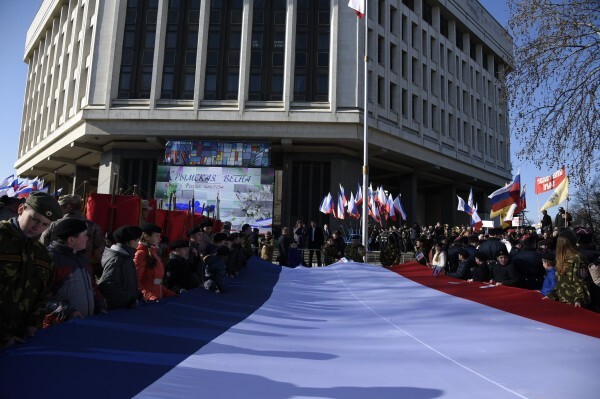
point(57, 79)
point(223, 54)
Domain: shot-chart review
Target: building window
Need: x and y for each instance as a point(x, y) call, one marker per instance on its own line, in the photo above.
point(381, 91)
point(405, 103)
point(181, 43)
point(223, 50)
point(268, 44)
point(313, 29)
point(410, 4)
point(427, 13)
point(137, 59)
point(380, 50)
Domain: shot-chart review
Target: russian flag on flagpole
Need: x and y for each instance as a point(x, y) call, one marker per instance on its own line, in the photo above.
point(504, 197)
point(358, 6)
point(343, 194)
point(352, 208)
point(340, 212)
point(327, 204)
point(359, 198)
point(398, 208)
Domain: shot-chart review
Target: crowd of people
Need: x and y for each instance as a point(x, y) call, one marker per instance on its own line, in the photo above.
point(56, 265)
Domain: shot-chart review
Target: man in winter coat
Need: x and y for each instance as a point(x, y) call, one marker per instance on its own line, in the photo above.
point(74, 292)
point(119, 280)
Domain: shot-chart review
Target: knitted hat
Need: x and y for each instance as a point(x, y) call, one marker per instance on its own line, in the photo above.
point(69, 227)
point(45, 205)
point(127, 233)
point(549, 257)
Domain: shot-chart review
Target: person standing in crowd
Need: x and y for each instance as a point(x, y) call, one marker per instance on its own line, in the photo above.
point(253, 239)
point(503, 271)
point(570, 287)
point(215, 271)
point(546, 222)
point(492, 245)
point(180, 276)
point(351, 251)
point(316, 240)
point(563, 219)
point(300, 233)
point(481, 271)
point(340, 244)
point(283, 244)
point(267, 247)
point(9, 207)
point(71, 206)
point(549, 283)
point(326, 232)
point(118, 283)
point(26, 268)
point(149, 267)
point(528, 264)
point(463, 271)
point(74, 293)
point(245, 237)
point(330, 253)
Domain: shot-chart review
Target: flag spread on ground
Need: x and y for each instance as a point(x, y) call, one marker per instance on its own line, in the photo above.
point(358, 6)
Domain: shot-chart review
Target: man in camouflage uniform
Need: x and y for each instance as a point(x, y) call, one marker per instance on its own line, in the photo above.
point(330, 252)
point(25, 268)
point(71, 208)
point(352, 251)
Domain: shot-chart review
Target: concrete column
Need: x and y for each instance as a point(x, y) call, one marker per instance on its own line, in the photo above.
point(408, 189)
point(82, 174)
point(448, 204)
point(110, 163)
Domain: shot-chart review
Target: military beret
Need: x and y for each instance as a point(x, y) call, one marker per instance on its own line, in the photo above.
point(219, 237)
point(150, 228)
point(69, 199)
point(206, 223)
point(501, 252)
point(69, 227)
point(45, 205)
point(223, 251)
point(193, 230)
point(548, 256)
point(179, 244)
point(127, 233)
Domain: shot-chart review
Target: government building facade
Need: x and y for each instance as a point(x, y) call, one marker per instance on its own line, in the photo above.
point(110, 83)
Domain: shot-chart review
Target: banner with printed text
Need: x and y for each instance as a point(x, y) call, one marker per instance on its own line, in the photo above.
point(547, 183)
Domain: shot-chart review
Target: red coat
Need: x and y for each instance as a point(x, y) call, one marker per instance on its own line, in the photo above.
point(150, 273)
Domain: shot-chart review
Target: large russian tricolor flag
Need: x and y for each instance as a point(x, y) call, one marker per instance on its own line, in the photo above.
point(348, 331)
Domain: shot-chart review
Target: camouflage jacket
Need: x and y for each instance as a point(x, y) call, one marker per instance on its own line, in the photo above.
point(329, 254)
point(266, 249)
point(25, 281)
point(570, 287)
point(247, 246)
point(351, 253)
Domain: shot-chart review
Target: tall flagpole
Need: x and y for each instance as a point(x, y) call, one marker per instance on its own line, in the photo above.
point(365, 169)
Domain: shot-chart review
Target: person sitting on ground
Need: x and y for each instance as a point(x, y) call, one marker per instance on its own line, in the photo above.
point(480, 271)
point(438, 261)
point(180, 274)
point(549, 283)
point(149, 266)
point(118, 282)
point(503, 271)
point(74, 293)
point(216, 269)
point(330, 252)
point(267, 246)
point(463, 271)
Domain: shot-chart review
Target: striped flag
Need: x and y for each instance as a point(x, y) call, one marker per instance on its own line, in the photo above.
point(358, 6)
